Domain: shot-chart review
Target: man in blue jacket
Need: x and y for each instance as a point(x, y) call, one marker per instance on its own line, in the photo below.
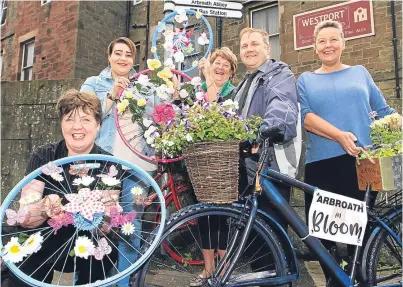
point(269, 90)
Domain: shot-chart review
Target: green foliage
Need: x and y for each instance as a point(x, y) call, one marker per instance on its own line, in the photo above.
point(22, 238)
point(386, 135)
point(206, 123)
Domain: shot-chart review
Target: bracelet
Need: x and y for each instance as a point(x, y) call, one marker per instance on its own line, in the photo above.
point(109, 96)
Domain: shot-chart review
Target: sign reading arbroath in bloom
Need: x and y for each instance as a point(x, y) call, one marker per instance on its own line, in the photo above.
point(356, 17)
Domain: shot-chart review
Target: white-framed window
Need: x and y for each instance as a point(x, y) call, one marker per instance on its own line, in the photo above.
point(3, 11)
point(135, 2)
point(266, 18)
point(136, 65)
point(43, 2)
point(27, 60)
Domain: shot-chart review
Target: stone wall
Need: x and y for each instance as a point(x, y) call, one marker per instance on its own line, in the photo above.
point(99, 22)
point(29, 120)
point(54, 26)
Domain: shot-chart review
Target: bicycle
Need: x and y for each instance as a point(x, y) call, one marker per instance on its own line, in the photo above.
point(84, 220)
point(245, 223)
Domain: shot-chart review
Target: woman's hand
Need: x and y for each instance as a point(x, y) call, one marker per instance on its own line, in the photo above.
point(204, 66)
point(347, 141)
point(121, 83)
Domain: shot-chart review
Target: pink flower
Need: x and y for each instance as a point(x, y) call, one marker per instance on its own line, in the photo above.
point(163, 113)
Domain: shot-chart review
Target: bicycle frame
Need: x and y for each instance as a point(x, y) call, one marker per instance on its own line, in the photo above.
point(300, 228)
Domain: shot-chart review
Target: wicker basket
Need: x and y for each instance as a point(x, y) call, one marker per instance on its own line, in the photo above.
point(213, 170)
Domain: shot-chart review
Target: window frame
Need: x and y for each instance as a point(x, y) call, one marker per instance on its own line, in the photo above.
point(5, 12)
point(44, 2)
point(263, 8)
point(23, 47)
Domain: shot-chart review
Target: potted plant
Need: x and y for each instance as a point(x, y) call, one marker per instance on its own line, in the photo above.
point(381, 165)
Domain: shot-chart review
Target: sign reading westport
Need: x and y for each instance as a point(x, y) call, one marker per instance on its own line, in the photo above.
point(356, 17)
point(337, 218)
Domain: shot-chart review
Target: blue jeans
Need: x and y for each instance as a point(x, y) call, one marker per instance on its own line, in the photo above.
point(126, 251)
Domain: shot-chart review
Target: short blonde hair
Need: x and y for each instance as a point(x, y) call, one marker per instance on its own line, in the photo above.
point(263, 33)
point(227, 54)
point(122, 40)
point(328, 24)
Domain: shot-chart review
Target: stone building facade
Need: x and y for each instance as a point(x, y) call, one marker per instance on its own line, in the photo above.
point(70, 37)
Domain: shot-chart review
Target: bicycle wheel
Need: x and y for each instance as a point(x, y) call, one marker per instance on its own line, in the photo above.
point(184, 235)
point(384, 261)
point(80, 243)
point(133, 130)
point(182, 38)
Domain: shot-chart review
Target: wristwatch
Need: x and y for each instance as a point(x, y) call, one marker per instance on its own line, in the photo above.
point(109, 96)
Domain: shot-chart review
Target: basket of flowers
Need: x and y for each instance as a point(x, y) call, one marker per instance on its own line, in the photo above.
point(381, 165)
point(208, 136)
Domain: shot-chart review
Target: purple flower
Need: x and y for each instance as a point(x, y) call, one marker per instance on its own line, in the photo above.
point(206, 106)
point(247, 128)
point(227, 115)
point(187, 125)
point(219, 98)
point(373, 115)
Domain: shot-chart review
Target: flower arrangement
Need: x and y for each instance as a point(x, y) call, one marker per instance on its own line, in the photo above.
point(87, 209)
point(386, 135)
point(205, 122)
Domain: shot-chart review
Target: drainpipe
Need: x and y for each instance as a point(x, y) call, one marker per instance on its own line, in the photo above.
point(219, 32)
point(147, 30)
point(128, 15)
point(394, 40)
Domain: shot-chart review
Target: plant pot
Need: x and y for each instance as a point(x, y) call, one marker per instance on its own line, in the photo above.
point(384, 174)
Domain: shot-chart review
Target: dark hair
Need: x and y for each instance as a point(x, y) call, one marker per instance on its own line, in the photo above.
point(74, 99)
point(122, 40)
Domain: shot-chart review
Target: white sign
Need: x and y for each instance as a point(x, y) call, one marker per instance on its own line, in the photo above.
point(337, 218)
point(210, 4)
point(213, 12)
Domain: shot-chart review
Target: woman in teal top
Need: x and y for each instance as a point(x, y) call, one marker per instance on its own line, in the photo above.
point(218, 69)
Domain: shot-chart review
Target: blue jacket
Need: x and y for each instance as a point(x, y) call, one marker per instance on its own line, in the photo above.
point(275, 99)
point(101, 85)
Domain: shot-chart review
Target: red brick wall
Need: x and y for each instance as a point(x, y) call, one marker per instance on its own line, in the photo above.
point(54, 26)
point(373, 52)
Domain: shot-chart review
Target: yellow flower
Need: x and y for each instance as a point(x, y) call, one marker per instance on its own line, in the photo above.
point(165, 74)
point(198, 15)
point(141, 102)
point(153, 49)
point(169, 84)
point(129, 95)
point(153, 64)
point(194, 64)
point(122, 106)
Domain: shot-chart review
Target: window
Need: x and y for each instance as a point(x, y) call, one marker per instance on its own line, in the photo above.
point(43, 2)
point(135, 2)
point(136, 65)
point(3, 11)
point(267, 19)
point(27, 60)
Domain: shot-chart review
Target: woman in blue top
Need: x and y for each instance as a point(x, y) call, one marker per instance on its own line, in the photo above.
point(336, 101)
point(121, 55)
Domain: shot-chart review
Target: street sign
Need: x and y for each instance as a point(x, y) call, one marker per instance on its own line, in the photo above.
point(355, 16)
point(210, 4)
point(208, 12)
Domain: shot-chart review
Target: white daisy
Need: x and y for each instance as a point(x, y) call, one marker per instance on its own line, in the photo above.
point(86, 180)
point(33, 243)
point(137, 190)
point(13, 251)
point(57, 177)
point(198, 15)
point(30, 197)
point(110, 181)
point(77, 181)
point(127, 228)
point(84, 247)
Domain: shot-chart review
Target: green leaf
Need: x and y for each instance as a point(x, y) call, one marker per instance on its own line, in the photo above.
point(72, 253)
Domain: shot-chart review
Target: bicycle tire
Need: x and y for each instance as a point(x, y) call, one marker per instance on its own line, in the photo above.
point(377, 253)
point(81, 226)
point(196, 211)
